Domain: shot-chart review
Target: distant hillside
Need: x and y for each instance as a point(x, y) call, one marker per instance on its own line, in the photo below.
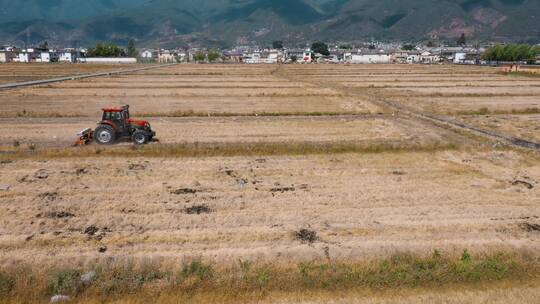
point(225, 22)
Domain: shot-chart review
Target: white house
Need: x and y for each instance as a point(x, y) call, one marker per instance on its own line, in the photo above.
point(460, 57)
point(24, 57)
point(181, 56)
point(400, 56)
point(7, 56)
point(68, 55)
point(371, 57)
point(428, 57)
point(413, 58)
point(253, 58)
point(45, 56)
point(149, 55)
point(273, 57)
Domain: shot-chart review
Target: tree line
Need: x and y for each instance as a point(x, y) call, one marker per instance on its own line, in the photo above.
point(108, 49)
point(512, 52)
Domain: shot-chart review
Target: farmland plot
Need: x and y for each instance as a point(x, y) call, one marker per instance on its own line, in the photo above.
point(276, 181)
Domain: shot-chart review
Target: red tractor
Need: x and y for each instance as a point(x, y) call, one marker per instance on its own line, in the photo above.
point(116, 124)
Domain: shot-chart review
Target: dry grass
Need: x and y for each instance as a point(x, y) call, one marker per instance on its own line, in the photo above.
point(521, 74)
point(228, 149)
point(191, 113)
point(258, 282)
point(41, 114)
point(486, 111)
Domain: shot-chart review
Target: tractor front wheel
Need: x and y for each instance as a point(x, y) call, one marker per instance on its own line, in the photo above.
point(105, 135)
point(140, 137)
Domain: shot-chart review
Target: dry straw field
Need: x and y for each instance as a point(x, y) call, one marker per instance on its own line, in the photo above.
point(278, 184)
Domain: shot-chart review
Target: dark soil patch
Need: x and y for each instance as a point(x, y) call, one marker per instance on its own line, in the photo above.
point(50, 196)
point(91, 230)
point(56, 214)
point(81, 171)
point(41, 174)
point(530, 227)
point(306, 235)
point(282, 189)
point(304, 187)
point(136, 167)
point(197, 209)
point(184, 191)
point(522, 183)
point(95, 232)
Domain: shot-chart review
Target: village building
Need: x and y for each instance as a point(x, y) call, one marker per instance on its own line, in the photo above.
point(235, 56)
point(413, 57)
point(292, 55)
point(328, 59)
point(400, 56)
point(428, 57)
point(149, 55)
point(253, 58)
point(166, 56)
point(274, 56)
point(69, 55)
point(7, 54)
point(370, 56)
point(307, 57)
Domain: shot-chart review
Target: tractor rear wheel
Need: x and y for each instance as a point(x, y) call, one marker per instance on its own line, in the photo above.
point(105, 135)
point(140, 137)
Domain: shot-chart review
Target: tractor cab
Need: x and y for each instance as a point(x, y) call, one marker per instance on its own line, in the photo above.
point(118, 118)
point(116, 124)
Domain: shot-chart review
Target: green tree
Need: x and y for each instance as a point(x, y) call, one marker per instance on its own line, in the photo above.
point(321, 48)
point(199, 56)
point(44, 45)
point(131, 50)
point(213, 55)
point(408, 47)
point(512, 52)
point(462, 40)
point(106, 49)
point(278, 45)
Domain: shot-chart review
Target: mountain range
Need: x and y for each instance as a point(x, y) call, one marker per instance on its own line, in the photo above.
point(163, 23)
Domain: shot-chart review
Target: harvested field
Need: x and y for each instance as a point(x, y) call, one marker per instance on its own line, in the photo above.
point(58, 132)
point(287, 183)
point(523, 126)
point(359, 205)
point(181, 89)
point(15, 72)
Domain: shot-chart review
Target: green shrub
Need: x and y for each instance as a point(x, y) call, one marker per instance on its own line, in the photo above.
point(197, 269)
point(7, 284)
point(65, 282)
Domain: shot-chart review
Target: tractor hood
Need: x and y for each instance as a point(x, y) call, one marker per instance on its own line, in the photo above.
point(140, 123)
